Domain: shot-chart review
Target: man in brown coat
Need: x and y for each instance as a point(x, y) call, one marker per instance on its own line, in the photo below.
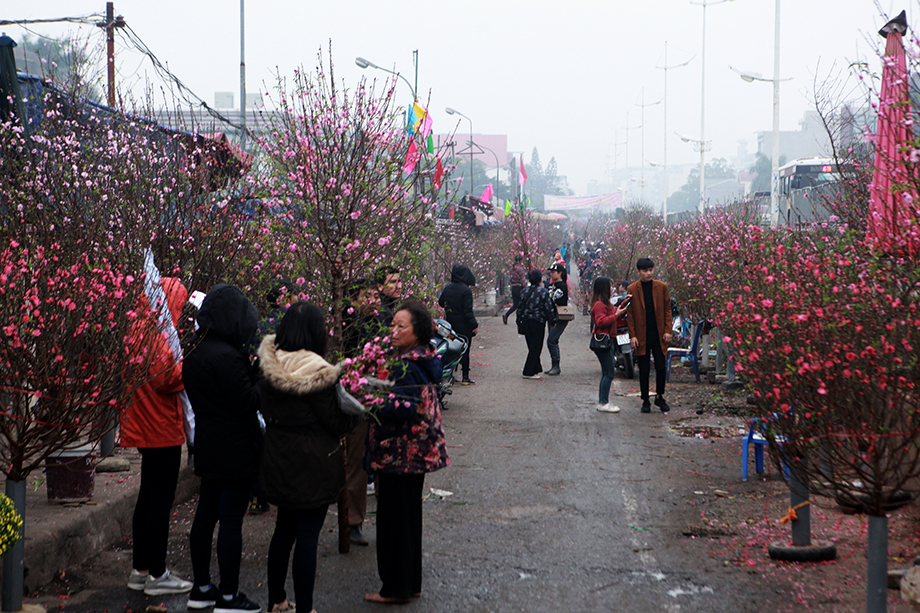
point(649, 318)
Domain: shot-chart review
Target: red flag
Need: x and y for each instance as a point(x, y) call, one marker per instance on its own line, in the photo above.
point(438, 175)
point(522, 176)
point(412, 156)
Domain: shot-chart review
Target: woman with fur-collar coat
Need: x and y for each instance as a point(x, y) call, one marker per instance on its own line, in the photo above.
point(302, 469)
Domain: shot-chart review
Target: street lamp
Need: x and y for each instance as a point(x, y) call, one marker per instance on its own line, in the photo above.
point(774, 165)
point(642, 148)
point(628, 128)
point(451, 111)
point(666, 68)
point(702, 140)
point(493, 155)
point(363, 63)
point(701, 146)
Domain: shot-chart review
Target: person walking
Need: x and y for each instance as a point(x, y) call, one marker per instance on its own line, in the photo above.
point(535, 311)
point(362, 323)
point(604, 322)
point(153, 423)
point(302, 469)
point(559, 293)
point(406, 442)
point(457, 301)
point(517, 278)
point(223, 389)
point(650, 330)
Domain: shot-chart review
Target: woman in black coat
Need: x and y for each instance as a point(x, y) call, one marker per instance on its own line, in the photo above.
point(224, 393)
point(303, 469)
point(457, 301)
point(535, 310)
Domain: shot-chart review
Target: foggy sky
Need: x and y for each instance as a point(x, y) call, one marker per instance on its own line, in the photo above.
point(557, 76)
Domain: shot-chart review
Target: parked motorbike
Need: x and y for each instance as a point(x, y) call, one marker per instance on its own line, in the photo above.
point(450, 347)
point(623, 356)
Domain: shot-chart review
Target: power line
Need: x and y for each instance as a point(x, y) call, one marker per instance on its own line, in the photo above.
point(84, 19)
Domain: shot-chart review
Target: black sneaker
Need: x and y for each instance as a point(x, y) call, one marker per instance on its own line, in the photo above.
point(467, 381)
point(203, 597)
point(257, 506)
point(661, 404)
point(646, 406)
point(236, 604)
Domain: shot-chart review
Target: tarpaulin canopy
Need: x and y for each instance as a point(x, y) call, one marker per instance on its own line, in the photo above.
point(572, 203)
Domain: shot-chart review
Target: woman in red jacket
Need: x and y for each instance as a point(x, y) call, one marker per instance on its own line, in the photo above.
point(604, 321)
point(153, 423)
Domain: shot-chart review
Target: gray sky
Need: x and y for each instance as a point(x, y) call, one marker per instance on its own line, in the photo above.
point(558, 76)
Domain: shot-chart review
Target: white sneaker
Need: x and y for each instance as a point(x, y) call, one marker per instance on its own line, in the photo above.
point(532, 377)
point(169, 583)
point(137, 581)
point(608, 408)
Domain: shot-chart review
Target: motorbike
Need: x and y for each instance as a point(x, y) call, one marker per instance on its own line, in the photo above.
point(623, 356)
point(450, 347)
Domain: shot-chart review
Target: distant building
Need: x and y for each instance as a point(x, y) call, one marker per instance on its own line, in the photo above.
point(811, 140)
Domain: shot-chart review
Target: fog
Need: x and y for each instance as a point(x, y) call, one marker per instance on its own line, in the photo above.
point(562, 77)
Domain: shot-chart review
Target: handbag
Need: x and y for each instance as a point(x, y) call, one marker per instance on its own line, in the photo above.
point(599, 342)
point(565, 313)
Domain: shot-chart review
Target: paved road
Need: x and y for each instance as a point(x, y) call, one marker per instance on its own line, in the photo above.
point(555, 507)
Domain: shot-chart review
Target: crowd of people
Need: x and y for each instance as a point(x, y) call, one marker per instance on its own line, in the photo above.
point(263, 408)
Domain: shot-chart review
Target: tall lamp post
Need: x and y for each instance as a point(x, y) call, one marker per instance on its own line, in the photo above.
point(774, 166)
point(702, 141)
point(363, 63)
point(642, 148)
point(495, 155)
point(451, 111)
point(666, 68)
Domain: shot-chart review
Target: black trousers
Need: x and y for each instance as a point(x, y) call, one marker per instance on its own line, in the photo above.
point(645, 368)
point(225, 502)
point(399, 534)
point(515, 299)
point(152, 512)
point(303, 527)
point(534, 332)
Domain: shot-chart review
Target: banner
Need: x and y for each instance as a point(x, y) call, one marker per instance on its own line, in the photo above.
point(571, 203)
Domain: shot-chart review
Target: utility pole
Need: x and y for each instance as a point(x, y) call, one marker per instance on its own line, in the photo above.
point(242, 72)
point(111, 22)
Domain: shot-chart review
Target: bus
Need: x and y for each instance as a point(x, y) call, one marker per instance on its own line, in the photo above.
point(803, 184)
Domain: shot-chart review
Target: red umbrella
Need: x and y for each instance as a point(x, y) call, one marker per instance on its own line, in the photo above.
point(893, 205)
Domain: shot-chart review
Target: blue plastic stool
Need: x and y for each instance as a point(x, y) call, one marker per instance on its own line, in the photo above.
point(754, 436)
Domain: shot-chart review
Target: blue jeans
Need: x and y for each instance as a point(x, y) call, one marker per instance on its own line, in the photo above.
point(552, 340)
point(608, 371)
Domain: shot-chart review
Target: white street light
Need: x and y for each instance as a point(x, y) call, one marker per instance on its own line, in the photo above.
point(451, 111)
point(774, 165)
point(364, 63)
point(666, 68)
point(642, 149)
point(702, 140)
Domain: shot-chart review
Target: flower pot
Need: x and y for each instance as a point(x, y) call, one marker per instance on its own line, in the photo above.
point(71, 474)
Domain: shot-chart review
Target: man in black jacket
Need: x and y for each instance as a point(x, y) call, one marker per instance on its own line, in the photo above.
point(457, 301)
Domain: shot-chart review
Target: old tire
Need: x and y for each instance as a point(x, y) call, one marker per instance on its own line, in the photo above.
point(630, 366)
point(818, 551)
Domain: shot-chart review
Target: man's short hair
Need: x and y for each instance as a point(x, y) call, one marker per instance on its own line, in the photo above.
point(645, 264)
point(383, 272)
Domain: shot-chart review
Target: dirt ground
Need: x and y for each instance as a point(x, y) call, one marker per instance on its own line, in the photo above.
point(735, 522)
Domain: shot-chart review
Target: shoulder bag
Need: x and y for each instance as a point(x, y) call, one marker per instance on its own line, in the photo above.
point(600, 342)
point(565, 313)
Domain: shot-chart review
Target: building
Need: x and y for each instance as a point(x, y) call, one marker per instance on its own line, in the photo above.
point(810, 140)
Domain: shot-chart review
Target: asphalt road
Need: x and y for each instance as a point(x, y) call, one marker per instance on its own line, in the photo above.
point(554, 507)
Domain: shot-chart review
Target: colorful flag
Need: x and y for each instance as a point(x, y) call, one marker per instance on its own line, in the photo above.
point(487, 194)
point(411, 120)
point(430, 144)
point(522, 176)
point(438, 174)
point(424, 122)
point(508, 207)
point(412, 156)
